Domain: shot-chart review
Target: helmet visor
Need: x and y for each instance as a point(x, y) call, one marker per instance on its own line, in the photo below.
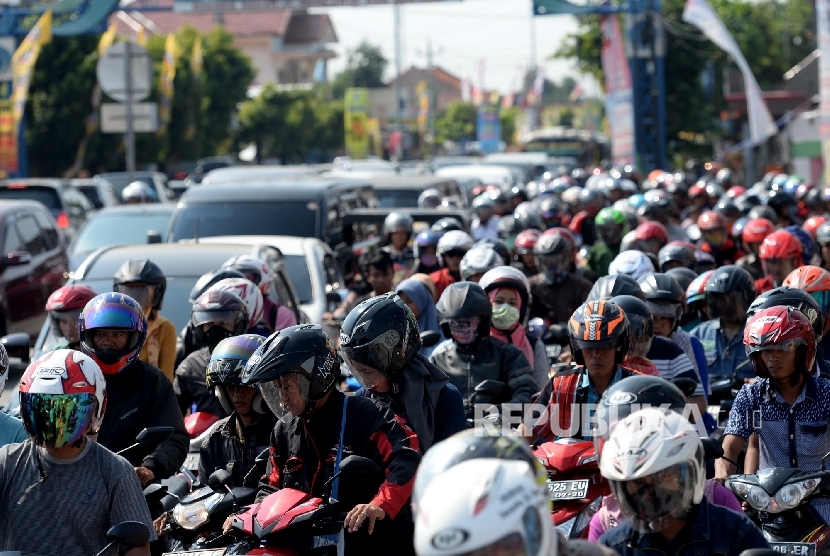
point(658, 500)
point(611, 233)
point(142, 293)
point(788, 345)
point(230, 318)
point(716, 237)
point(66, 321)
point(58, 419)
point(728, 304)
point(286, 395)
point(377, 354)
point(641, 335)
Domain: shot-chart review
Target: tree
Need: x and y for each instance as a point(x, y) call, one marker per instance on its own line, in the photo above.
point(456, 122)
point(365, 67)
point(508, 124)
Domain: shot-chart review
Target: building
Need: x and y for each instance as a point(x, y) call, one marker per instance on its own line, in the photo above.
point(445, 88)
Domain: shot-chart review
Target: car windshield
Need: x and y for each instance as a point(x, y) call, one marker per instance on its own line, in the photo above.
point(49, 196)
point(297, 268)
point(268, 218)
point(118, 229)
point(398, 198)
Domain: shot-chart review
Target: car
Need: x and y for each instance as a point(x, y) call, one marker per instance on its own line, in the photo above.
point(99, 192)
point(121, 225)
point(310, 264)
point(69, 207)
point(205, 165)
point(263, 172)
point(156, 180)
point(502, 176)
point(403, 192)
point(33, 265)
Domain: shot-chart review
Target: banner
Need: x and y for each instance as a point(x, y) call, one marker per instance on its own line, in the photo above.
point(23, 63)
point(356, 114)
point(488, 128)
point(823, 24)
point(619, 94)
point(701, 14)
point(422, 90)
point(107, 39)
point(168, 74)
point(8, 135)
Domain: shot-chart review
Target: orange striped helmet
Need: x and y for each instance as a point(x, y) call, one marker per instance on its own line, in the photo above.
point(598, 324)
point(809, 278)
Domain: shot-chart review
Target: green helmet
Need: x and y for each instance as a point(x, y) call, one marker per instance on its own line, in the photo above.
point(610, 215)
point(605, 222)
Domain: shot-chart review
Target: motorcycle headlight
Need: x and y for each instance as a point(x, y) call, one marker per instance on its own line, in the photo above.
point(791, 495)
point(753, 494)
point(191, 516)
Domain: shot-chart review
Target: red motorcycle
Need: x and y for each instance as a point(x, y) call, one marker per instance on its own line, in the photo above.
point(575, 485)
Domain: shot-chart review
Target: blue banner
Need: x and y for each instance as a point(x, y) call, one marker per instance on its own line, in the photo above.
point(488, 128)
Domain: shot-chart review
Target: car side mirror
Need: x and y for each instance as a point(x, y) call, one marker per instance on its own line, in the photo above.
point(153, 237)
point(220, 481)
point(17, 345)
point(17, 258)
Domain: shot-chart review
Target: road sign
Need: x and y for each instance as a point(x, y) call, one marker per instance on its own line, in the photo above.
point(115, 79)
point(114, 117)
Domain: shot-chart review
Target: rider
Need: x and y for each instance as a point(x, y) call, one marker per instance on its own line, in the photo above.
point(397, 231)
point(823, 241)
point(145, 282)
point(62, 490)
point(556, 292)
point(379, 341)
point(276, 315)
point(138, 193)
point(787, 407)
point(64, 307)
point(297, 369)
point(816, 281)
point(451, 249)
point(525, 257)
point(11, 430)
point(425, 251)
point(112, 328)
point(379, 271)
point(655, 465)
point(485, 225)
point(215, 316)
point(780, 254)
point(611, 226)
point(753, 235)
point(716, 242)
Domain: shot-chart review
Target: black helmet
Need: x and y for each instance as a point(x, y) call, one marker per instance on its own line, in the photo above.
point(618, 284)
point(303, 350)
point(140, 272)
point(225, 368)
point(380, 333)
point(763, 211)
point(783, 204)
point(447, 224)
point(683, 276)
point(679, 252)
point(209, 278)
point(603, 321)
point(640, 323)
point(528, 220)
point(823, 234)
point(728, 208)
point(796, 298)
point(664, 296)
point(509, 225)
point(218, 306)
point(464, 300)
point(498, 246)
point(728, 279)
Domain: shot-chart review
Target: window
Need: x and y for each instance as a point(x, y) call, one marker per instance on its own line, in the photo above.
point(48, 230)
point(11, 241)
point(30, 235)
point(296, 218)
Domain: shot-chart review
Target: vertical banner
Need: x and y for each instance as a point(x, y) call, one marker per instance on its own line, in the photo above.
point(23, 63)
point(168, 74)
point(356, 114)
point(488, 128)
point(700, 14)
point(8, 136)
point(823, 24)
point(422, 90)
point(619, 94)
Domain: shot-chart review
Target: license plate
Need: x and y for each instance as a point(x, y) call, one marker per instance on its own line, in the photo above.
point(797, 548)
point(192, 462)
point(553, 351)
point(568, 490)
point(214, 552)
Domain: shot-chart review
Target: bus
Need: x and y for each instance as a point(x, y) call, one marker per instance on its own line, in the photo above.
point(586, 148)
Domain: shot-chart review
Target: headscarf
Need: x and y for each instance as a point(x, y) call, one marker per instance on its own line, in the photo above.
point(418, 292)
point(516, 336)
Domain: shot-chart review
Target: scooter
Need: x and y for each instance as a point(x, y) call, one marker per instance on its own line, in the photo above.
point(781, 497)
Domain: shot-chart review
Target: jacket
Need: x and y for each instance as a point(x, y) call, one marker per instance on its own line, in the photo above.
point(442, 279)
point(141, 396)
point(159, 348)
point(600, 256)
point(190, 386)
point(557, 302)
point(490, 359)
point(224, 448)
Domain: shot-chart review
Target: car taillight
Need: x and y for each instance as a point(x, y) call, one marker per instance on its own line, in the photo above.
point(63, 220)
point(17, 186)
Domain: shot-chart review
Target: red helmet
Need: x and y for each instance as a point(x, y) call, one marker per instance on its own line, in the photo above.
point(696, 190)
point(711, 220)
point(651, 230)
point(809, 278)
point(781, 245)
point(756, 230)
point(735, 191)
point(526, 240)
point(780, 328)
point(67, 298)
point(811, 225)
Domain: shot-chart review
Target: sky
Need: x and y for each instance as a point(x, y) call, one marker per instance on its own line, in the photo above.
point(461, 33)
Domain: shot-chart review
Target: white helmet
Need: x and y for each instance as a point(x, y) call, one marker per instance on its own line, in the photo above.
point(654, 463)
point(454, 240)
point(633, 263)
point(138, 192)
point(429, 199)
point(478, 260)
point(247, 292)
point(489, 506)
point(255, 270)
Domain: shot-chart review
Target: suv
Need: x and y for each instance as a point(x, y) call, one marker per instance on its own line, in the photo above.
point(69, 207)
point(156, 180)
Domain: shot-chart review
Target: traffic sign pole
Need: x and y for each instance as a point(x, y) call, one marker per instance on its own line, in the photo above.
point(130, 137)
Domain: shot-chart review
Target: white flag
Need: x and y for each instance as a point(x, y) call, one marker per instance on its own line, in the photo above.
point(701, 14)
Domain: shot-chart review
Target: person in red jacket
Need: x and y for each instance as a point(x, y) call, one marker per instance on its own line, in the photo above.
point(716, 240)
point(780, 254)
point(451, 249)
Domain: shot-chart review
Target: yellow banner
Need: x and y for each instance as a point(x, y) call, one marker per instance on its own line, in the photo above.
point(107, 39)
point(23, 63)
point(356, 114)
point(196, 60)
point(168, 74)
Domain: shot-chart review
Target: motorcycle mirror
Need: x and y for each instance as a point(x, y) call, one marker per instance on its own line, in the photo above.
point(154, 435)
point(154, 493)
point(359, 467)
point(263, 456)
point(686, 385)
point(536, 328)
point(429, 338)
point(490, 388)
point(127, 533)
point(220, 480)
point(712, 448)
point(17, 345)
point(334, 298)
point(824, 461)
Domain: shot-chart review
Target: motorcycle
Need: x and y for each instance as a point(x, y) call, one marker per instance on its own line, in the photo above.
point(490, 392)
point(724, 390)
point(781, 496)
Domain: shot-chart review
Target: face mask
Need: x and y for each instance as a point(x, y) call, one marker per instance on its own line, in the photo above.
point(428, 259)
point(464, 333)
point(505, 316)
point(214, 335)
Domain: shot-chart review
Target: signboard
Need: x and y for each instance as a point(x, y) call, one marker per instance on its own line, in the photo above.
point(356, 114)
point(488, 128)
point(619, 94)
point(114, 78)
point(114, 117)
point(242, 5)
point(8, 133)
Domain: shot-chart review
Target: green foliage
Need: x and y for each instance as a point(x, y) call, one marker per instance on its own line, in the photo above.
point(290, 125)
point(456, 122)
point(365, 67)
point(508, 123)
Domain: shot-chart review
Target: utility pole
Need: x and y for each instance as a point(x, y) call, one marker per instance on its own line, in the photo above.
point(398, 72)
point(430, 93)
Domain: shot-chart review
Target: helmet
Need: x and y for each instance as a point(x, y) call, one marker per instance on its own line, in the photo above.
point(508, 277)
point(633, 263)
point(380, 333)
point(509, 226)
point(571, 195)
point(790, 297)
point(247, 291)
point(725, 280)
point(112, 311)
point(806, 240)
point(255, 270)
point(823, 234)
point(756, 230)
point(714, 190)
point(783, 204)
point(497, 245)
point(484, 200)
point(711, 220)
point(554, 253)
point(598, 324)
point(526, 240)
point(210, 278)
point(629, 241)
point(447, 224)
point(454, 240)
point(138, 192)
point(605, 221)
point(696, 290)
point(304, 351)
point(65, 304)
point(725, 177)
point(497, 506)
point(811, 225)
point(396, 221)
point(226, 363)
point(63, 396)
point(141, 272)
point(780, 328)
point(735, 191)
point(429, 199)
point(781, 245)
point(763, 211)
point(642, 445)
point(679, 252)
point(218, 306)
point(683, 276)
point(464, 300)
point(705, 261)
point(652, 230)
point(811, 279)
point(478, 260)
point(640, 324)
point(664, 296)
point(425, 239)
point(551, 208)
point(618, 284)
